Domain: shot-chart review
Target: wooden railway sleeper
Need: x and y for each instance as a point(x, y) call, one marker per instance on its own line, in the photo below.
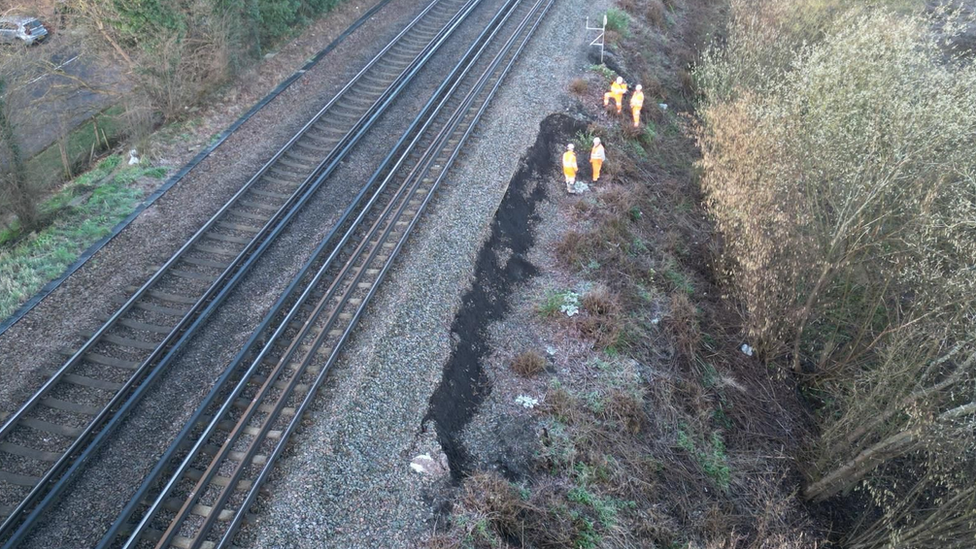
point(85, 381)
point(162, 296)
point(71, 407)
point(152, 308)
point(29, 453)
point(294, 163)
point(270, 194)
point(122, 341)
point(136, 325)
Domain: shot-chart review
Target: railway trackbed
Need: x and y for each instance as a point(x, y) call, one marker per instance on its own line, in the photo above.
point(44, 443)
point(203, 487)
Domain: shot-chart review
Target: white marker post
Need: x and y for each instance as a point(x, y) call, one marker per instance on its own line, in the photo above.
point(599, 40)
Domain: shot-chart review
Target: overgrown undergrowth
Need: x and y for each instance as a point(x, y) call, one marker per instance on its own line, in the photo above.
point(668, 436)
point(84, 211)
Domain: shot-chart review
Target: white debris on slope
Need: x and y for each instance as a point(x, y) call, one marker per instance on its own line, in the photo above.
point(426, 465)
point(570, 304)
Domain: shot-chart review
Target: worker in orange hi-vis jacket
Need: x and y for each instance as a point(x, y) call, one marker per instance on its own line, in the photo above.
point(570, 168)
point(617, 91)
point(597, 156)
point(636, 102)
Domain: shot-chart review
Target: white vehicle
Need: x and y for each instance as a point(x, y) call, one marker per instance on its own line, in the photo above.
point(25, 29)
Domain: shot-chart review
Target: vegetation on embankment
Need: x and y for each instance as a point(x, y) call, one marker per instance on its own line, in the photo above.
point(178, 51)
point(83, 211)
point(838, 167)
point(169, 56)
point(665, 435)
point(827, 217)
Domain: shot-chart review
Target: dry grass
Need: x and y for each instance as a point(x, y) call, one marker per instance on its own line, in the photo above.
point(612, 471)
point(582, 209)
point(626, 410)
point(602, 322)
point(579, 86)
point(683, 324)
point(654, 13)
point(572, 248)
point(619, 200)
point(528, 364)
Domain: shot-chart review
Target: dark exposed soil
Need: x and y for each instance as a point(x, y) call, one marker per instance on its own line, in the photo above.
point(465, 385)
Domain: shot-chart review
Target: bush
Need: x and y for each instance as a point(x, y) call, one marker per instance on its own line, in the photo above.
point(578, 86)
point(840, 174)
point(602, 323)
point(528, 364)
point(654, 13)
point(618, 21)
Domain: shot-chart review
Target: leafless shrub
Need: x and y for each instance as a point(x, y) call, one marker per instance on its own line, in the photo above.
point(171, 66)
point(687, 82)
point(630, 6)
point(625, 409)
point(849, 241)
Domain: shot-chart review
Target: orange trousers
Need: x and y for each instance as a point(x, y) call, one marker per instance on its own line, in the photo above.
point(570, 174)
point(597, 164)
point(618, 99)
point(636, 116)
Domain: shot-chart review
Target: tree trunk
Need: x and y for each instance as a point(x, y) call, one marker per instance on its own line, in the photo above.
point(853, 470)
point(22, 199)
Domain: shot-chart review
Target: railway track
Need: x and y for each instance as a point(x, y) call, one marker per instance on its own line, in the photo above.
point(202, 489)
point(45, 441)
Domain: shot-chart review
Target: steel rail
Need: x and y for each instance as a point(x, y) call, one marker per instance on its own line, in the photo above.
point(248, 257)
point(119, 527)
point(237, 520)
point(217, 460)
point(430, 158)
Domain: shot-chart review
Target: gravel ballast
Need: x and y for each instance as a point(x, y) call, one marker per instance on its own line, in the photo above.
point(32, 344)
point(346, 481)
point(110, 478)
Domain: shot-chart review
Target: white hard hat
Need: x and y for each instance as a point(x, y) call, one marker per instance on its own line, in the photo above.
point(596, 140)
point(639, 87)
point(620, 79)
point(570, 146)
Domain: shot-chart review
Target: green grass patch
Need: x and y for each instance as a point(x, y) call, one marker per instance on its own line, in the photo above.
point(566, 302)
point(84, 211)
point(618, 21)
point(710, 455)
point(47, 166)
point(604, 71)
point(584, 141)
point(679, 280)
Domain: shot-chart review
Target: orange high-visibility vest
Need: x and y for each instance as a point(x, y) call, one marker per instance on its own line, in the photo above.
point(598, 153)
point(569, 161)
point(637, 100)
point(618, 89)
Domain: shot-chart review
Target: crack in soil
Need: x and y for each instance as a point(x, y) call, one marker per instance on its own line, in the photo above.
point(501, 266)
